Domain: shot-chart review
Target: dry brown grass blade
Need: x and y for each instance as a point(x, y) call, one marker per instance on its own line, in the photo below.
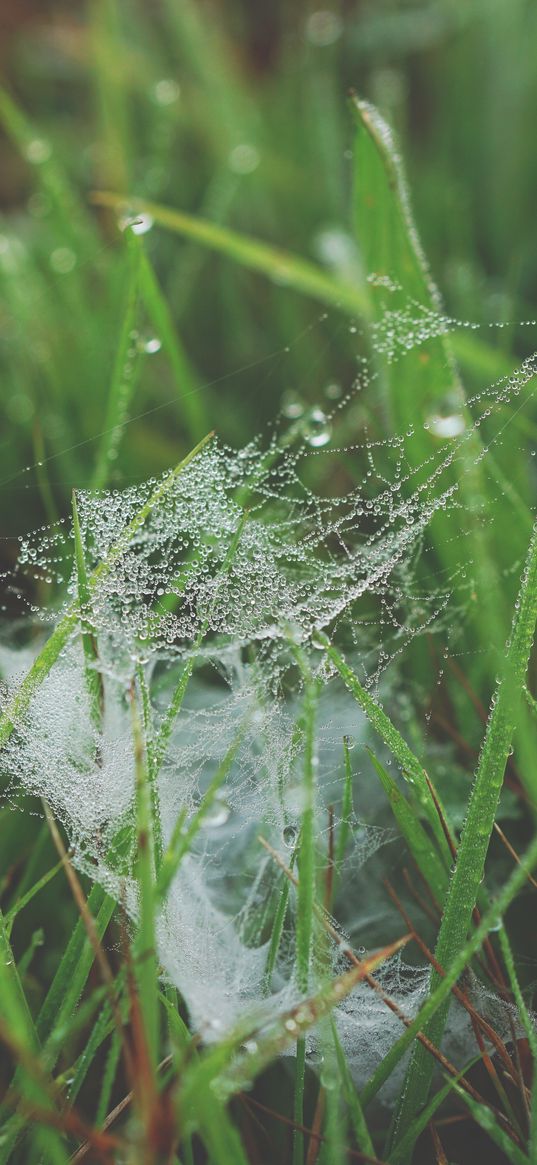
point(113, 1116)
point(353, 1154)
point(91, 931)
point(440, 1155)
point(459, 994)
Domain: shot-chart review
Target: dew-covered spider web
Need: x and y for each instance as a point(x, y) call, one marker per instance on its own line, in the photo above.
point(196, 615)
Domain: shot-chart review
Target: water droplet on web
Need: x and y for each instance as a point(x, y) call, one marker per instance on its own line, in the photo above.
point(139, 223)
point(62, 260)
point(217, 814)
point(333, 391)
point(166, 91)
point(323, 28)
point(292, 406)
point(290, 835)
point(244, 158)
point(317, 428)
point(38, 151)
point(446, 420)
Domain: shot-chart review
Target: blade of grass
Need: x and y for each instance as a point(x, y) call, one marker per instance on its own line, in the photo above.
point(182, 838)
point(24, 899)
point(306, 886)
point(146, 961)
point(422, 1120)
point(486, 1121)
point(176, 701)
point(411, 767)
point(346, 808)
point(124, 371)
point(191, 401)
point(356, 1112)
point(93, 678)
point(529, 1028)
point(424, 854)
point(479, 824)
point(281, 266)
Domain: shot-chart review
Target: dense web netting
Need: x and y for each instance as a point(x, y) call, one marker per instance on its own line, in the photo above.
point(236, 563)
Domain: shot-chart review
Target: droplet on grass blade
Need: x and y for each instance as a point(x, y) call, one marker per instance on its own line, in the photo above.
point(139, 223)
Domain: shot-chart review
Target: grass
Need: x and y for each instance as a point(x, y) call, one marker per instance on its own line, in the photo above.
point(264, 198)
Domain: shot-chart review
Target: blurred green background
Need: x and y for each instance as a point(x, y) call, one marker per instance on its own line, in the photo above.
point(237, 111)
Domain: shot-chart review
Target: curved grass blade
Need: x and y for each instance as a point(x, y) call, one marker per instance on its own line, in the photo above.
point(475, 838)
point(281, 266)
point(422, 850)
point(487, 1121)
point(411, 767)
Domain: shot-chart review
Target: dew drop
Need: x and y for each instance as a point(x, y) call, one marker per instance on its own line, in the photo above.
point(38, 151)
point(317, 429)
point(323, 28)
point(149, 344)
point(139, 224)
point(217, 814)
point(446, 420)
point(292, 406)
point(166, 91)
point(62, 260)
point(244, 159)
point(290, 835)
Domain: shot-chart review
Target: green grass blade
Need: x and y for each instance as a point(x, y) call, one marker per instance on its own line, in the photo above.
point(182, 838)
point(281, 266)
point(529, 1028)
point(422, 850)
point(344, 832)
point(359, 1123)
point(13, 1003)
point(487, 1121)
point(423, 384)
point(419, 1124)
point(306, 890)
point(76, 963)
point(411, 767)
point(61, 634)
point(442, 990)
point(93, 679)
point(109, 1075)
point(475, 838)
point(24, 899)
point(145, 946)
point(193, 410)
point(124, 371)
